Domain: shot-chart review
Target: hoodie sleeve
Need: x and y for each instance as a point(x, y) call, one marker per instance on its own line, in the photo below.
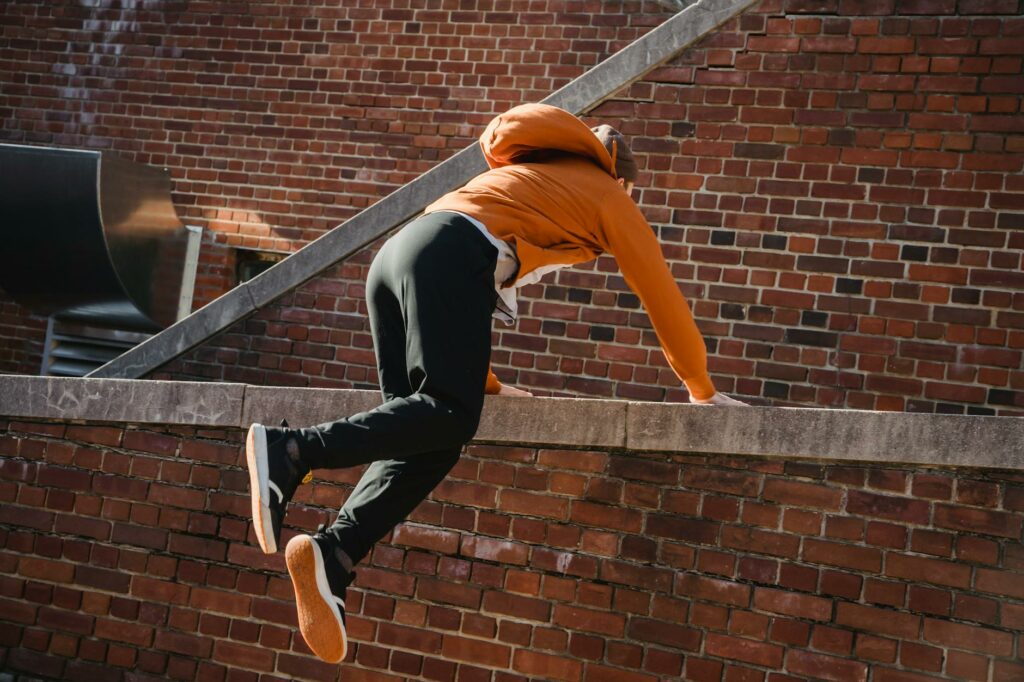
point(627, 236)
point(493, 385)
point(529, 131)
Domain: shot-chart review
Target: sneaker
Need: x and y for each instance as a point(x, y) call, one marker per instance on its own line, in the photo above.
point(273, 479)
point(320, 583)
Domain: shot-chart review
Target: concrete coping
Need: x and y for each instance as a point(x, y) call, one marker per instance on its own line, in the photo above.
point(793, 433)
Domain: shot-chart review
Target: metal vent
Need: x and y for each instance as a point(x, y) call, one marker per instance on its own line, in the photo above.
point(73, 349)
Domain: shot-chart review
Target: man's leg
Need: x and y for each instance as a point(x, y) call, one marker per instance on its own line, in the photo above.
point(430, 295)
point(430, 317)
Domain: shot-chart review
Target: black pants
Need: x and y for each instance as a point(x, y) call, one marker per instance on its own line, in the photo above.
point(430, 295)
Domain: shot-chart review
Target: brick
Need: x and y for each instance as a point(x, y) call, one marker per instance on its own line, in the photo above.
point(204, 548)
point(220, 601)
point(577, 461)
point(989, 522)
point(209, 452)
point(772, 44)
point(158, 590)
point(530, 504)
point(793, 604)
point(120, 487)
point(760, 542)
point(100, 435)
point(647, 577)
point(517, 606)
point(26, 517)
point(977, 609)
point(547, 666)
point(844, 556)
point(82, 526)
point(667, 634)
point(878, 621)
point(820, 666)
point(589, 620)
point(876, 648)
point(748, 651)
point(922, 569)
point(969, 637)
point(61, 620)
point(641, 470)
point(1003, 583)
point(901, 45)
point(46, 569)
point(425, 537)
point(679, 528)
point(490, 549)
point(599, 673)
point(122, 631)
point(103, 579)
point(564, 562)
point(140, 536)
point(36, 663)
point(242, 655)
point(712, 589)
point(182, 643)
point(70, 479)
point(802, 494)
point(444, 592)
point(145, 441)
point(416, 639)
point(885, 506)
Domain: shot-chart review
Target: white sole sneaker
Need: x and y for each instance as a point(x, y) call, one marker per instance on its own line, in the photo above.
point(259, 487)
point(320, 620)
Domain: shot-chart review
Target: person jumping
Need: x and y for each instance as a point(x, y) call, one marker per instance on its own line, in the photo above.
point(557, 194)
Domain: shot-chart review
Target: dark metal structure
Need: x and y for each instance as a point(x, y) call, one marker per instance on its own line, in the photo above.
point(89, 237)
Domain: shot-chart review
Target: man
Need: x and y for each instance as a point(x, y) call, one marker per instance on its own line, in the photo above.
point(557, 194)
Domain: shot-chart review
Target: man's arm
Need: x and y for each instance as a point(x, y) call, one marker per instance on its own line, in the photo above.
point(495, 387)
point(638, 253)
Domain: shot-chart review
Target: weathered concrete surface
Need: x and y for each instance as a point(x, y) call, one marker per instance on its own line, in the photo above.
point(893, 437)
point(303, 406)
point(553, 421)
point(129, 401)
point(580, 95)
point(828, 435)
point(537, 421)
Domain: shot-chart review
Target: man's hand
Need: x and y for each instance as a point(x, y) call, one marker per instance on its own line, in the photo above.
point(510, 390)
point(718, 399)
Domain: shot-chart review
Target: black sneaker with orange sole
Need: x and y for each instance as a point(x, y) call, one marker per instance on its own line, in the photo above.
point(320, 584)
point(273, 478)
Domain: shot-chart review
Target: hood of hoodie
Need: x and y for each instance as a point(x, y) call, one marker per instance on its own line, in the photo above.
point(531, 132)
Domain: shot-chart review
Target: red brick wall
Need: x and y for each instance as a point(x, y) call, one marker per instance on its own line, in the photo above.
point(21, 338)
point(837, 184)
point(125, 551)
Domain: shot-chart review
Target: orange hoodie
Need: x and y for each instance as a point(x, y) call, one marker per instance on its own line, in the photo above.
point(552, 194)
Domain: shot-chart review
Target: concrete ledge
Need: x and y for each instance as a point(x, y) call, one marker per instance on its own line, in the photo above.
point(897, 437)
point(303, 406)
point(118, 400)
point(815, 434)
point(563, 422)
